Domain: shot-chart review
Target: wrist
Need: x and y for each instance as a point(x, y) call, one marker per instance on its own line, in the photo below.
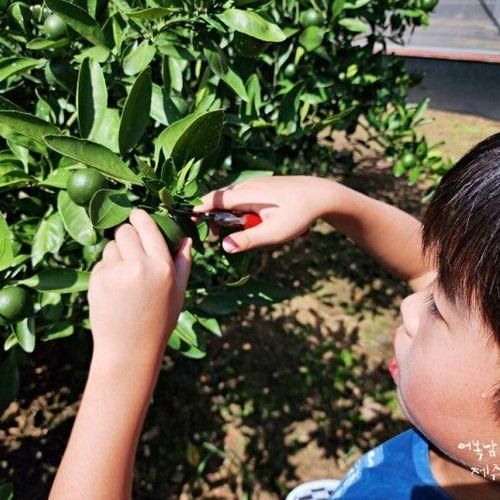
point(324, 196)
point(114, 364)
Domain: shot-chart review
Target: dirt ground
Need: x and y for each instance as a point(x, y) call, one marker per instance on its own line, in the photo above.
point(293, 392)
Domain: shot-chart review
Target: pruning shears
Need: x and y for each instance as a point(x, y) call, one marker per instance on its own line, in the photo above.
point(226, 218)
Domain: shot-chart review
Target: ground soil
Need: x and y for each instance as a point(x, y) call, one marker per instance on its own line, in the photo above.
point(293, 392)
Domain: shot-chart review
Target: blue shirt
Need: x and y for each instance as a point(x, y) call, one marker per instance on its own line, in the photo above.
point(398, 468)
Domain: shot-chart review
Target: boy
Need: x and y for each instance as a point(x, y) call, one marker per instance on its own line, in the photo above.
point(446, 364)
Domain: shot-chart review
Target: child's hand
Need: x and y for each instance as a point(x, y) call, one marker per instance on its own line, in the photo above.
point(136, 293)
point(287, 206)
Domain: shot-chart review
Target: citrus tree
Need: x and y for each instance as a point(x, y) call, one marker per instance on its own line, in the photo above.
point(110, 104)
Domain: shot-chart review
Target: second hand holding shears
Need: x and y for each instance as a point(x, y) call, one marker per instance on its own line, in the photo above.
point(224, 218)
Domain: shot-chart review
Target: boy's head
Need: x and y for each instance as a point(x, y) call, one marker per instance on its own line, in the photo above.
point(447, 348)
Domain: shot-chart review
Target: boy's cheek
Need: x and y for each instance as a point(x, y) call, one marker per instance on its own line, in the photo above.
point(442, 400)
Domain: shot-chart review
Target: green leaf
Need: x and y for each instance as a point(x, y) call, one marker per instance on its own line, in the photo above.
point(171, 231)
point(59, 279)
point(57, 178)
point(75, 219)
point(413, 175)
point(91, 97)
point(6, 105)
point(106, 134)
point(10, 66)
point(240, 282)
point(211, 324)
point(337, 8)
point(246, 175)
point(419, 111)
point(27, 125)
point(20, 14)
point(152, 13)
point(44, 44)
point(95, 7)
point(357, 4)
point(311, 38)
point(48, 238)
point(6, 252)
point(138, 58)
point(236, 83)
point(220, 304)
point(10, 341)
point(108, 208)
point(163, 109)
point(185, 328)
point(94, 155)
point(254, 95)
point(51, 306)
point(250, 23)
point(13, 178)
point(287, 118)
point(79, 20)
point(6, 490)
point(195, 136)
point(61, 73)
point(98, 53)
point(356, 25)
point(58, 331)
point(136, 112)
point(177, 343)
point(25, 334)
point(173, 77)
point(9, 375)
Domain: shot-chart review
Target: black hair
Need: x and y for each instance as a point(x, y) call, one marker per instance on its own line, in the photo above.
point(461, 235)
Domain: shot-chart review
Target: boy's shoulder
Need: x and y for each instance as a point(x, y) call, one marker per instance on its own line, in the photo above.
point(398, 468)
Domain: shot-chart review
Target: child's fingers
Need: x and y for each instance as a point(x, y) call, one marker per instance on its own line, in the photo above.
point(226, 199)
point(152, 240)
point(183, 263)
point(254, 237)
point(111, 253)
point(129, 243)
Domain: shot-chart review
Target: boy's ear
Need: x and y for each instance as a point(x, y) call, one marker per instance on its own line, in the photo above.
point(423, 281)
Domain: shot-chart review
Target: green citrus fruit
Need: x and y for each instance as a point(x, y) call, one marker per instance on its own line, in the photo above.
point(54, 27)
point(15, 304)
point(311, 18)
point(409, 160)
point(170, 230)
point(428, 5)
point(290, 70)
point(248, 46)
point(83, 184)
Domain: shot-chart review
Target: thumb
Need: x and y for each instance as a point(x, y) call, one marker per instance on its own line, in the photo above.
point(182, 264)
point(254, 237)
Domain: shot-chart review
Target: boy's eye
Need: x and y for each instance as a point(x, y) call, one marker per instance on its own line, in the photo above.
point(431, 307)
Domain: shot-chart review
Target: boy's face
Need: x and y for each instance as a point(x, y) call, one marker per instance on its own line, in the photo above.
point(447, 369)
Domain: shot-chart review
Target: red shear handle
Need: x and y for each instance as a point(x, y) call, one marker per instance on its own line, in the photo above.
point(251, 220)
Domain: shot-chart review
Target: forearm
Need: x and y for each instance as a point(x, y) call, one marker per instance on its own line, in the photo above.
point(389, 234)
point(99, 459)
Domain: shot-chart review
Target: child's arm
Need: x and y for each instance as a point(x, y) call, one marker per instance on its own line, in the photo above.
point(289, 204)
point(135, 295)
point(389, 234)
